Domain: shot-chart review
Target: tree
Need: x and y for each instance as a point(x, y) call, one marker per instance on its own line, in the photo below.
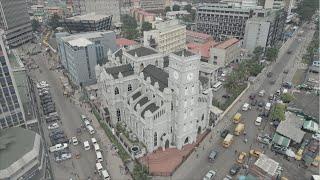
point(140, 172)
point(131, 33)
point(188, 8)
point(307, 8)
point(128, 22)
point(175, 8)
point(258, 51)
point(278, 112)
point(54, 21)
point(35, 24)
point(146, 26)
point(286, 97)
point(272, 54)
point(167, 9)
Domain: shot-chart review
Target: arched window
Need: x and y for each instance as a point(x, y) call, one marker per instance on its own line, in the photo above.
point(116, 91)
point(129, 87)
point(155, 139)
point(202, 118)
point(118, 115)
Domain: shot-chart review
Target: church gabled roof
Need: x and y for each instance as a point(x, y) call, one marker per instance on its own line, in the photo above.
point(156, 75)
point(126, 70)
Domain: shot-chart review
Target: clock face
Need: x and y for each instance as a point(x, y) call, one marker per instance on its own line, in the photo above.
point(190, 76)
point(176, 75)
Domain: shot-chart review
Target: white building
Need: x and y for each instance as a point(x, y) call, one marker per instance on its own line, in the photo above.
point(80, 53)
point(167, 37)
point(226, 52)
point(106, 7)
point(162, 106)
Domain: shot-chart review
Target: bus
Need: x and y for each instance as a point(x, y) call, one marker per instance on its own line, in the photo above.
point(217, 86)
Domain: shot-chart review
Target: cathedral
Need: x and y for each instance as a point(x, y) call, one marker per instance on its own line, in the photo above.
point(158, 98)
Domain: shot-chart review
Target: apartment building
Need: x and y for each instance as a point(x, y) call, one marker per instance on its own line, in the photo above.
point(222, 20)
point(106, 7)
point(15, 21)
point(152, 5)
point(226, 52)
point(80, 53)
point(168, 36)
point(11, 111)
point(265, 29)
point(274, 4)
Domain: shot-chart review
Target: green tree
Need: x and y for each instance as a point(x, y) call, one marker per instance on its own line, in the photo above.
point(175, 8)
point(272, 54)
point(167, 9)
point(278, 112)
point(54, 21)
point(258, 51)
point(188, 8)
point(128, 22)
point(131, 33)
point(286, 97)
point(146, 26)
point(35, 25)
point(140, 172)
point(307, 8)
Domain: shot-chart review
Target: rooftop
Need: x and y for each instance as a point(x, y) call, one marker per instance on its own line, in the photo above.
point(142, 51)
point(122, 42)
point(267, 164)
point(202, 49)
point(126, 70)
point(184, 53)
point(88, 17)
point(87, 35)
point(14, 143)
point(227, 43)
point(151, 107)
point(156, 75)
point(291, 127)
point(80, 42)
point(308, 103)
point(141, 102)
point(198, 35)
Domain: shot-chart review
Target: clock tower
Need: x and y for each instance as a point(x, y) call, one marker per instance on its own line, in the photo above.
point(184, 81)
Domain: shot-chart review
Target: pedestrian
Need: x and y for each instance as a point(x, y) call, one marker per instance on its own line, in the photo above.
point(203, 147)
point(235, 151)
point(197, 155)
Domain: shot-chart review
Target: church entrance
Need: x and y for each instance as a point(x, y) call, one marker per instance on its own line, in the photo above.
point(166, 144)
point(186, 141)
point(199, 129)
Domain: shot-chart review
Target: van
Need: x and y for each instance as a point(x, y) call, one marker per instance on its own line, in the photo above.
point(237, 118)
point(99, 157)
point(245, 107)
point(94, 141)
point(239, 129)
point(90, 129)
point(105, 175)
point(258, 121)
point(98, 167)
point(86, 145)
point(227, 140)
point(96, 147)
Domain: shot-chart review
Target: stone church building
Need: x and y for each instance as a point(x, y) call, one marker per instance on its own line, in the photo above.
point(158, 98)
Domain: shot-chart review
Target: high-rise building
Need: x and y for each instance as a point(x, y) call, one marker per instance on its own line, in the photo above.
point(167, 37)
point(152, 5)
point(11, 112)
point(222, 20)
point(105, 7)
point(15, 21)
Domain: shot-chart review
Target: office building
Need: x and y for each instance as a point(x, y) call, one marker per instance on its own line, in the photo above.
point(22, 154)
point(264, 29)
point(15, 21)
point(80, 53)
point(222, 20)
point(167, 37)
point(274, 4)
point(11, 112)
point(162, 107)
point(226, 52)
point(152, 5)
point(87, 22)
point(105, 7)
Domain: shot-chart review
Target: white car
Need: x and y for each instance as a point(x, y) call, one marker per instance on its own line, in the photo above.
point(316, 136)
point(74, 141)
point(53, 126)
point(258, 121)
point(209, 175)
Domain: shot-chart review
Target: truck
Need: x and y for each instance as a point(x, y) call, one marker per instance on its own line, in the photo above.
point(58, 147)
point(239, 129)
point(227, 141)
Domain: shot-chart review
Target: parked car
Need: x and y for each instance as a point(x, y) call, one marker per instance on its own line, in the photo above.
point(74, 141)
point(53, 126)
point(241, 158)
point(227, 96)
point(286, 71)
point(224, 133)
point(209, 175)
point(255, 152)
point(254, 102)
point(234, 169)
point(213, 155)
point(269, 74)
point(287, 85)
point(264, 139)
point(252, 96)
point(261, 104)
point(279, 149)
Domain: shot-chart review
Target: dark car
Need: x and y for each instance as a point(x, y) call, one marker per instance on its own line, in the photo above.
point(269, 74)
point(289, 52)
point(234, 169)
point(261, 104)
point(286, 71)
point(287, 85)
point(254, 102)
point(252, 96)
point(224, 133)
point(213, 155)
point(227, 96)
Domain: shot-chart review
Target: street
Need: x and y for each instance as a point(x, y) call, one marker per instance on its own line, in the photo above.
point(70, 111)
point(197, 165)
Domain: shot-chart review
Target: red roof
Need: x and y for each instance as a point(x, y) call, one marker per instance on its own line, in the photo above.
point(145, 13)
point(198, 35)
point(202, 49)
point(227, 43)
point(125, 42)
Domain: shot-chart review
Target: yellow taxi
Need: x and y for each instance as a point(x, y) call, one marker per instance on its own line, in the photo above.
point(241, 157)
point(255, 153)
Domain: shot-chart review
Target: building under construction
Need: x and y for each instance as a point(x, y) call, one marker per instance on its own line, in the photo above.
point(87, 22)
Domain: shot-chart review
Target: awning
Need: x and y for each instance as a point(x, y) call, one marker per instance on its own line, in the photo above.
point(311, 126)
point(281, 140)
